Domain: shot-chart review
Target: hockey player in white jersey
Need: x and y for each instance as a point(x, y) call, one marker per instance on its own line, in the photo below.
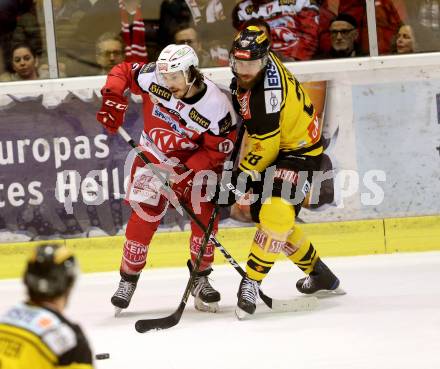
point(187, 117)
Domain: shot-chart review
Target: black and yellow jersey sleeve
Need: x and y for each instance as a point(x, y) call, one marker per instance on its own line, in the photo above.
point(279, 117)
point(262, 126)
point(36, 337)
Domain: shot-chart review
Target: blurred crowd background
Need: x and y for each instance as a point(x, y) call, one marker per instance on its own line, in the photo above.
point(92, 36)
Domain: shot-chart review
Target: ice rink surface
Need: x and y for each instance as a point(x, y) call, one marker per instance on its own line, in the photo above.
point(389, 319)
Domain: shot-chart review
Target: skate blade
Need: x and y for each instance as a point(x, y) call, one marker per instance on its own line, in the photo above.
point(322, 294)
point(211, 307)
point(303, 303)
point(241, 314)
point(118, 312)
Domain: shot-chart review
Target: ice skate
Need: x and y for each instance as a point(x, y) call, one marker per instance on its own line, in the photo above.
point(122, 297)
point(206, 298)
point(320, 283)
point(247, 298)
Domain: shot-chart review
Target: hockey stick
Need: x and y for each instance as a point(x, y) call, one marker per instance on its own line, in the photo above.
point(145, 325)
point(303, 303)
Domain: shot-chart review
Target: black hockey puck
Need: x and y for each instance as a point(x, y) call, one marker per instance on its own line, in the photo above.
point(102, 356)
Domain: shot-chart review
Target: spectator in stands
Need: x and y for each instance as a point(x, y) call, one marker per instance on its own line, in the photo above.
point(344, 36)
point(388, 22)
point(111, 16)
point(405, 42)
point(186, 34)
point(43, 69)
point(208, 11)
point(23, 65)
point(109, 51)
point(424, 16)
point(294, 26)
point(210, 18)
point(389, 15)
point(31, 30)
point(173, 13)
point(135, 49)
point(10, 11)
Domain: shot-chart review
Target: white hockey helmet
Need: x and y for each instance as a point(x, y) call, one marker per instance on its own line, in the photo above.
point(175, 58)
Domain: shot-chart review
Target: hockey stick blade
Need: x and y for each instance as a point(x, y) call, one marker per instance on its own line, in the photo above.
point(145, 325)
point(303, 303)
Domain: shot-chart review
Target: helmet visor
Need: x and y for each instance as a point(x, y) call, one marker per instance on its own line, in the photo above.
point(171, 79)
point(247, 67)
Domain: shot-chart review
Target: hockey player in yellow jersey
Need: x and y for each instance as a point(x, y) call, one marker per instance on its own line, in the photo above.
point(35, 334)
point(283, 149)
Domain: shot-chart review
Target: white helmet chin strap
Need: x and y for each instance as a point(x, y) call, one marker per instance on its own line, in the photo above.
point(190, 84)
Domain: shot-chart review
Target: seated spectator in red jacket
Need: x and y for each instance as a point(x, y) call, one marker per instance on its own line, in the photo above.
point(344, 36)
point(23, 65)
point(293, 25)
point(405, 42)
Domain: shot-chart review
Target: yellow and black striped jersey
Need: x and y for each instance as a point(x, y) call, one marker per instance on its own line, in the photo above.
point(34, 337)
point(279, 118)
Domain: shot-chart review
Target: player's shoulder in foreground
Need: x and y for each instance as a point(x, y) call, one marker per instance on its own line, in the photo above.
point(55, 331)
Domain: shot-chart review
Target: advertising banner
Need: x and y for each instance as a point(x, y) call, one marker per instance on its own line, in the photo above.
point(384, 150)
point(52, 162)
point(62, 175)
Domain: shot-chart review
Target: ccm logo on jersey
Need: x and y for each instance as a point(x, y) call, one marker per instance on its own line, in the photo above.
point(160, 91)
point(272, 99)
point(198, 118)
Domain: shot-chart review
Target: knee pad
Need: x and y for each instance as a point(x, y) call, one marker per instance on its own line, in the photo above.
point(277, 216)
